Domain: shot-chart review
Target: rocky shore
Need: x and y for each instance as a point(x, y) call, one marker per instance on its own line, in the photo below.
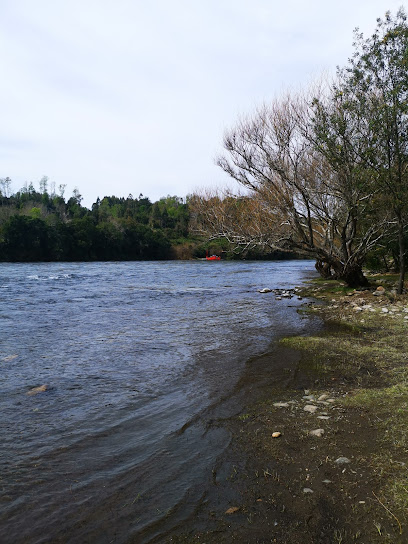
point(324, 460)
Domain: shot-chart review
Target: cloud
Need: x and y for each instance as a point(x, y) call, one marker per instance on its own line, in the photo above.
point(126, 96)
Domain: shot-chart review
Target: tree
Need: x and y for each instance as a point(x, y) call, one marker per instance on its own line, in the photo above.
point(44, 185)
point(5, 187)
point(377, 77)
point(314, 208)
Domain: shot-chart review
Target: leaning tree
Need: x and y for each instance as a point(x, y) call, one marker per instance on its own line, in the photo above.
point(314, 207)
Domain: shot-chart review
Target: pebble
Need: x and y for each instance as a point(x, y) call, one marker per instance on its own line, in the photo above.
point(317, 432)
point(276, 434)
point(309, 397)
point(281, 404)
point(307, 490)
point(265, 290)
point(310, 408)
point(323, 397)
point(323, 417)
point(342, 461)
point(327, 481)
point(232, 510)
point(384, 310)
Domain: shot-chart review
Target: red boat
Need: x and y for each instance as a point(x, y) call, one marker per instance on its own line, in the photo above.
point(213, 258)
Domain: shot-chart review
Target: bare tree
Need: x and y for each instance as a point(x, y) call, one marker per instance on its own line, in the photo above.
point(312, 206)
point(246, 221)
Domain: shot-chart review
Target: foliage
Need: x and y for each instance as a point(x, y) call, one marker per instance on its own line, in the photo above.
point(326, 172)
point(38, 226)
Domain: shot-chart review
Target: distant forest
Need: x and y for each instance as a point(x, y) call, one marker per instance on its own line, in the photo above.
point(40, 225)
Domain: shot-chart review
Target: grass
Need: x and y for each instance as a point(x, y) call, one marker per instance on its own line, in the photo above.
point(370, 350)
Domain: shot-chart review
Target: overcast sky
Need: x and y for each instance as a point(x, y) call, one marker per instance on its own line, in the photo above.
point(133, 96)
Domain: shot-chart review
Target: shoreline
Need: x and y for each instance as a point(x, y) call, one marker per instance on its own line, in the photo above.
point(336, 471)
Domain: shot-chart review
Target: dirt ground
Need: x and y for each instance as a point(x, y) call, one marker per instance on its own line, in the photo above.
point(322, 461)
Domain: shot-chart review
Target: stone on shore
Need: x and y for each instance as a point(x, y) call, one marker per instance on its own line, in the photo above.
point(265, 290)
point(232, 510)
point(310, 408)
point(342, 461)
point(281, 404)
point(317, 432)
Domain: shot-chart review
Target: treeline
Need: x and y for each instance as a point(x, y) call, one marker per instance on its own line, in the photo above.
point(43, 226)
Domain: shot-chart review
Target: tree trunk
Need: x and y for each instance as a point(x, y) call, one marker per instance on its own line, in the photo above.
point(401, 243)
point(324, 269)
point(354, 277)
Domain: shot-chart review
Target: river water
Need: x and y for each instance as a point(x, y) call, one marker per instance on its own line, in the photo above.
point(139, 359)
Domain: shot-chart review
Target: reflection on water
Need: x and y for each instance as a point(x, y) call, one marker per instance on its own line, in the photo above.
point(137, 358)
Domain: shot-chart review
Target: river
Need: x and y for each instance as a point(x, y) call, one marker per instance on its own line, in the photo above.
point(139, 358)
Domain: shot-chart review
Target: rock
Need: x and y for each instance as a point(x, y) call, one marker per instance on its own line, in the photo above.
point(310, 408)
point(232, 510)
point(276, 434)
point(323, 417)
point(317, 432)
point(265, 290)
point(342, 461)
point(37, 390)
point(281, 404)
point(307, 490)
point(380, 289)
point(278, 298)
point(308, 397)
point(358, 308)
point(385, 310)
point(327, 481)
point(307, 391)
point(10, 358)
point(323, 397)
point(300, 298)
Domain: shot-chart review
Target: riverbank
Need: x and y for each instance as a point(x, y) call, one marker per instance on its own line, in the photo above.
point(325, 459)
